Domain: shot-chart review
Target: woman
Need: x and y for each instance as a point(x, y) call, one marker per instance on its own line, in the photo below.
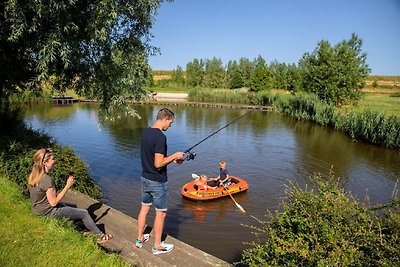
point(44, 198)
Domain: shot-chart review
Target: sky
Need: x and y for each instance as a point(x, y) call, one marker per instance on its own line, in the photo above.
point(281, 30)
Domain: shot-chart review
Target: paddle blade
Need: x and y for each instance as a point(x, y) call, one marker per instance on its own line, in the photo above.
point(195, 176)
point(240, 208)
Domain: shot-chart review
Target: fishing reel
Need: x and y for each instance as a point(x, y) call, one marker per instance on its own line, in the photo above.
point(189, 155)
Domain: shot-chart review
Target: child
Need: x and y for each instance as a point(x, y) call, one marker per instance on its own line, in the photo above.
point(223, 178)
point(202, 183)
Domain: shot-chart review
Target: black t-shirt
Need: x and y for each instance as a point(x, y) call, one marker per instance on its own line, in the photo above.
point(153, 141)
point(223, 173)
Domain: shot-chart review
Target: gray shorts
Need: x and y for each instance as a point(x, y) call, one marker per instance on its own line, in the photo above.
point(155, 192)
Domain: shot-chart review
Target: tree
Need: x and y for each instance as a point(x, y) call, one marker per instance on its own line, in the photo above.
point(246, 68)
point(293, 77)
point(279, 73)
point(235, 77)
point(335, 74)
point(214, 73)
point(195, 73)
point(177, 76)
point(261, 79)
point(99, 48)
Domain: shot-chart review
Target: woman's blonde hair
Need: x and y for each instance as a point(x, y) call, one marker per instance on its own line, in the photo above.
point(38, 170)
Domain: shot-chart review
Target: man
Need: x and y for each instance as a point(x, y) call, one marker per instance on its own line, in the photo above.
point(154, 179)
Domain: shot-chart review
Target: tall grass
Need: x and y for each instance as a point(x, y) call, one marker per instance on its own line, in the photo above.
point(220, 96)
point(31, 96)
point(371, 126)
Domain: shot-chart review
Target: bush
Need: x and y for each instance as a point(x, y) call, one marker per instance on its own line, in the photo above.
point(18, 145)
point(325, 227)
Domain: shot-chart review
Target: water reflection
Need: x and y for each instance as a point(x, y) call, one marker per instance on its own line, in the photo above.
point(266, 149)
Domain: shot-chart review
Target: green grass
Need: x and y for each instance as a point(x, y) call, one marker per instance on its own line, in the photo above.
point(29, 240)
point(380, 102)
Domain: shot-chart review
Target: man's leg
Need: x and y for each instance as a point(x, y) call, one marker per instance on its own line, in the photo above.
point(158, 227)
point(142, 220)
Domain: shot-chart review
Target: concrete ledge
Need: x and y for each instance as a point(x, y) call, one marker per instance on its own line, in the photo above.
point(124, 228)
point(170, 95)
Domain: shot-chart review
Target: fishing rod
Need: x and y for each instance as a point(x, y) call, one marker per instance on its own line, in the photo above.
point(191, 155)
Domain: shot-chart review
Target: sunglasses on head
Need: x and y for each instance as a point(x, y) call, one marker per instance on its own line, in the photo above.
point(48, 150)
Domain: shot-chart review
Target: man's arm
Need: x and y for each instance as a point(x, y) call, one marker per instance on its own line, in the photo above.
point(160, 160)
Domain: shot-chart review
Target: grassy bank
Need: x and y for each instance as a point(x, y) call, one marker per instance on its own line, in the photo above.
point(29, 240)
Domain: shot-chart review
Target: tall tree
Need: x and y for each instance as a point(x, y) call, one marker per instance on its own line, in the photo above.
point(261, 78)
point(235, 76)
point(279, 73)
point(214, 73)
point(335, 74)
point(195, 73)
point(178, 76)
point(96, 47)
point(246, 68)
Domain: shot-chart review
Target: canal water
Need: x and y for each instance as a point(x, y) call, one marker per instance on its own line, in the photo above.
point(270, 151)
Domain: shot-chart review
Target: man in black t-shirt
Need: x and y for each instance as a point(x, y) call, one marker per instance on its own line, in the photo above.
point(154, 179)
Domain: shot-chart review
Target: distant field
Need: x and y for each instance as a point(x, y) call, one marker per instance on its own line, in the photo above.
point(387, 82)
point(162, 75)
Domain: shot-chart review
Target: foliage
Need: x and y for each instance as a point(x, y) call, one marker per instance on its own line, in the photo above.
point(325, 226)
point(195, 73)
point(279, 73)
point(373, 126)
point(98, 48)
point(178, 76)
point(17, 146)
point(335, 74)
point(395, 94)
point(246, 68)
point(235, 77)
point(214, 73)
point(261, 78)
point(219, 96)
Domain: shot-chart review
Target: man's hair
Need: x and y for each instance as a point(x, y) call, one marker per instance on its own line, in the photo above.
point(165, 113)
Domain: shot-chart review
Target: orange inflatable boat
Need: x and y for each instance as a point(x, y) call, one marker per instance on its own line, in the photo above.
point(194, 192)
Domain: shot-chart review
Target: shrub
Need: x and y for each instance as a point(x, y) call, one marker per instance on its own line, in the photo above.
point(325, 226)
point(17, 146)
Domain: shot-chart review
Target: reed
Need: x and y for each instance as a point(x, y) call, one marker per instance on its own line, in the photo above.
point(374, 127)
point(368, 125)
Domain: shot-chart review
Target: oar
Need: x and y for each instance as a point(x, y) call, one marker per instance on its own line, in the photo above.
point(195, 176)
point(237, 204)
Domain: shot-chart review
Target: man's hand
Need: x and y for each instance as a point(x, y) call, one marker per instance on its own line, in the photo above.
point(179, 157)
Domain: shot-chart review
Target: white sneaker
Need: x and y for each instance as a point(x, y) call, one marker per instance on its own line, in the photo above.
point(165, 248)
point(139, 243)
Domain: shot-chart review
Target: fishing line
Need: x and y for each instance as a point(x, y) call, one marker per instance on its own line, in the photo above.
point(191, 155)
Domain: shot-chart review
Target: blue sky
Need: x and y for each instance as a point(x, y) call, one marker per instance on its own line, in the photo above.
point(281, 30)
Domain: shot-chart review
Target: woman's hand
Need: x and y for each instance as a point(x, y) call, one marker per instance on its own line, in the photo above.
point(70, 181)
